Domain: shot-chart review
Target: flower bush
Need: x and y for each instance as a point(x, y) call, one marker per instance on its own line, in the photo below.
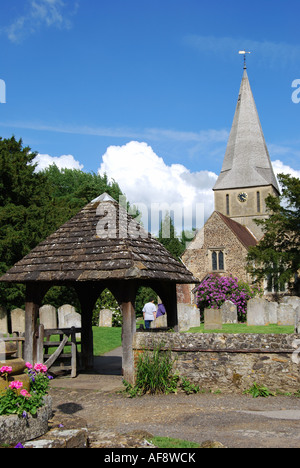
point(215, 290)
point(17, 400)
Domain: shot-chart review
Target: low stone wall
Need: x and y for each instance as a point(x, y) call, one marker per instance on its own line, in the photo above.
point(230, 363)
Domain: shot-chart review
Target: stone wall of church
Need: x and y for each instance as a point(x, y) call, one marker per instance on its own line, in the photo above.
point(216, 236)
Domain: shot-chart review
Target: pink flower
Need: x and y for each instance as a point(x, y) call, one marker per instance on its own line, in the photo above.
point(40, 368)
point(25, 394)
point(6, 370)
point(28, 365)
point(16, 385)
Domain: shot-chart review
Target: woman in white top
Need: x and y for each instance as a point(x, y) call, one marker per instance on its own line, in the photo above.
point(149, 313)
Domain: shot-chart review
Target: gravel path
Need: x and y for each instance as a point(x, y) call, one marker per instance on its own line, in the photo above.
point(237, 421)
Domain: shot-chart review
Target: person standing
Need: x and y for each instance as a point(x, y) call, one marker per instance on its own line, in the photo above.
point(149, 313)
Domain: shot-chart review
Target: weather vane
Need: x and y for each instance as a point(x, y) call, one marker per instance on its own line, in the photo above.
point(244, 52)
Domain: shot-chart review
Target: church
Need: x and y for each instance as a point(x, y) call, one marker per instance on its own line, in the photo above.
point(245, 181)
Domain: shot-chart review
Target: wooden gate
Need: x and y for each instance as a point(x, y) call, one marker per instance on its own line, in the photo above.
point(67, 338)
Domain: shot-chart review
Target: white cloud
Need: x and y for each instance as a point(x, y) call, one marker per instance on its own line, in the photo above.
point(41, 13)
point(147, 180)
point(281, 168)
point(65, 161)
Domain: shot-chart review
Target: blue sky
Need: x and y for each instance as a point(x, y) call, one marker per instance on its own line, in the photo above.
point(146, 90)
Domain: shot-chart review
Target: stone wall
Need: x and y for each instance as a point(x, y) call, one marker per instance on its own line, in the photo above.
point(231, 363)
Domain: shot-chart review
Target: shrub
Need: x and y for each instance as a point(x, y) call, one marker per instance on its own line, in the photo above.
point(215, 290)
point(154, 374)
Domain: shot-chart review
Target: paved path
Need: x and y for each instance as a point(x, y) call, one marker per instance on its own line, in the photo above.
point(234, 420)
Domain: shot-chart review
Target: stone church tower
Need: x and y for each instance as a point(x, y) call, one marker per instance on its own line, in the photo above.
point(247, 176)
point(246, 179)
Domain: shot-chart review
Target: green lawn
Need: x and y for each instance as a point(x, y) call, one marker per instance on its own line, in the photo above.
point(107, 339)
point(243, 328)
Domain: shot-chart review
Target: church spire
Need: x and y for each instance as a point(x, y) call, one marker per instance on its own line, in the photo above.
point(247, 161)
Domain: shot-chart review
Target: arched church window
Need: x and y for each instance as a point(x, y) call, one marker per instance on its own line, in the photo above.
point(221, 260)
point(214, 258)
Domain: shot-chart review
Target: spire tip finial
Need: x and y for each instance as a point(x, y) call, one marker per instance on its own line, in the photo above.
point(244, 52)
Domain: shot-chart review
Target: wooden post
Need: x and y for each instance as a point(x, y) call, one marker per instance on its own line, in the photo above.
point(87, 294)
point(172, 315)
point(74, 353)
point(34, 294)
point(128, 331)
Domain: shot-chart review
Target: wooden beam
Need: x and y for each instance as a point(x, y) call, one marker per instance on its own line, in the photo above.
point(87, 294)
point(127, 299)
point(34, 295)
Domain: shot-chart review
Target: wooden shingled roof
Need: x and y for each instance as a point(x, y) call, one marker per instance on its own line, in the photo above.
point(102, 242)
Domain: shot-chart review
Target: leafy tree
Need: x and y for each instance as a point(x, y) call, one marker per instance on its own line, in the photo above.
point(168, 238)
point(24, 196)
point(34, 204)
point(277, 256)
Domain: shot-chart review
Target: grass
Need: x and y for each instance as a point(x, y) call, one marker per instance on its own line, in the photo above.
point(107, 339)
point(243, 328)
point(168, 442)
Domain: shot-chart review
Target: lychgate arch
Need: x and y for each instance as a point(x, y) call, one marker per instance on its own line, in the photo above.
point(90, 259)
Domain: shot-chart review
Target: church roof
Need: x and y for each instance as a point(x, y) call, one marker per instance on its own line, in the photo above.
point(101, 242)
point(241, 232)
point(247, 162)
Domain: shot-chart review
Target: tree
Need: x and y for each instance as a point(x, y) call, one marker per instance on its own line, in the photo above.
point(24, 195)
point(276, 257)
point(34, 204)
point(168, 238)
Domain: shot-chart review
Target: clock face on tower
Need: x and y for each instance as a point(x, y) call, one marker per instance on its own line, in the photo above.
point(242, 197)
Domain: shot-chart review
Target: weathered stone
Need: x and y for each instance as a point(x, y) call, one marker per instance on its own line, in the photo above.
point(256, 312)
point(271, 311)
point(3, 320)
point(231, 362)
point(18, 320)
point(286, 314)
point(48, 317)
point(229, 312)
point(294, 301)
point(213, 319)
point(105, 318)
point(14, 429)
point(297, 320)
point(188, 316)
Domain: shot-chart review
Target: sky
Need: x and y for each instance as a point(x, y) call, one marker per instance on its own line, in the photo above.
point(145, 91)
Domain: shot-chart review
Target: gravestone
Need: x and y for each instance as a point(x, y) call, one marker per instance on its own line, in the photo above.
point(105, 318)
point(3, 320)
point(188, 316)
point(18, 320)
point(212, 319)
point(286, 314)
point(271, 310)
point(297, 320)
point(160, 322)
point(63, 312)
point(256, 312)
point(48, 317)
point(229, 312)
point(294, 301)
